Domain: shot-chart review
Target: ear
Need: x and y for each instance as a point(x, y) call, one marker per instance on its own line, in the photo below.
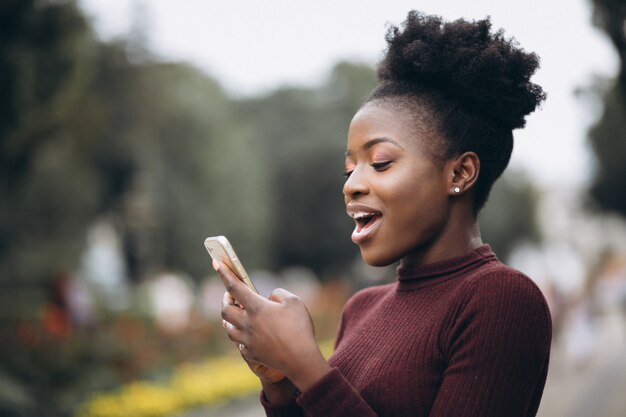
point(462, 173)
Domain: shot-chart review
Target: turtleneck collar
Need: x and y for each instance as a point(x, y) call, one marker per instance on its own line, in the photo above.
point(411, 278)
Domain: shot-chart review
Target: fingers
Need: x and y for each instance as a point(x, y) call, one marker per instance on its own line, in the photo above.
point(235, 336)
point(231, 313)
point(286, 298)
point(234, 321)
point(235, 286)
point(243, 351)
point(228, 300)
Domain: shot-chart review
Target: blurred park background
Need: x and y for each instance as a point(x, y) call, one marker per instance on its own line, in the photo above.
point(123, 144)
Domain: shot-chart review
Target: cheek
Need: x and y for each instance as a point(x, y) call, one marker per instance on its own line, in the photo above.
point(417, 191)
point(419, 204)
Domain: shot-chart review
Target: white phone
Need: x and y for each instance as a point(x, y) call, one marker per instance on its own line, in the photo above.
point(221, 250)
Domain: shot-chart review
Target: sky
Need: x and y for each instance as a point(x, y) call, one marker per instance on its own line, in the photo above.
point(252, 47)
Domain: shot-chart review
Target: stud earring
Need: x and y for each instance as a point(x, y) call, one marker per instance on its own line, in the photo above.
point(457, 190)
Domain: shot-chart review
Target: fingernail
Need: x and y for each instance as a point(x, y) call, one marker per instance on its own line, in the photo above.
point(216, 265)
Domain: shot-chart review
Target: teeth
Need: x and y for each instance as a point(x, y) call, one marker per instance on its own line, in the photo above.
point(358, 216)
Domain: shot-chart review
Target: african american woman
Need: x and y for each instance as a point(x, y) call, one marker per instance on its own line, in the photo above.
point(458, 333)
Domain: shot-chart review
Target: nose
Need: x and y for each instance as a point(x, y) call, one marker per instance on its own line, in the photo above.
point(355, 184)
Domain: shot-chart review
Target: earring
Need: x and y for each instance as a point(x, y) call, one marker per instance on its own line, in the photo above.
point(457, 190)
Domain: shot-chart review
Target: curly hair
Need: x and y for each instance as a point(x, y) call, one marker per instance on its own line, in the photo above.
point(474, 86)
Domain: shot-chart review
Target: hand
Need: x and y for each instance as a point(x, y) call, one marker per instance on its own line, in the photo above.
point(277, 332)
point(277, 388)
point(266, 375)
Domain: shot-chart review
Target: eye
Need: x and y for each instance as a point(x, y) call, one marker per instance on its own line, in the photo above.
point(348, 169)
point(380, 166)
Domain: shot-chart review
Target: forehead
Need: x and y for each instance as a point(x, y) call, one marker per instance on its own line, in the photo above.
point(378, 120)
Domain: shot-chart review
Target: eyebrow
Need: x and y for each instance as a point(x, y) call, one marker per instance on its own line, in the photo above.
point(375, 141)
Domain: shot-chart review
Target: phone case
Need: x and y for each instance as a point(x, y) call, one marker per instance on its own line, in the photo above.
point(221, 250)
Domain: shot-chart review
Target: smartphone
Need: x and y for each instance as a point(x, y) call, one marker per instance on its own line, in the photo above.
point(221, 250)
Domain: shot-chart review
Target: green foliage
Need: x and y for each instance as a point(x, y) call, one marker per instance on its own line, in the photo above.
point(510, 215)
point(608, 135)
point(47, 191)
point(608, 138)
point(303, 133)
point(88, 132)
point(203, 177)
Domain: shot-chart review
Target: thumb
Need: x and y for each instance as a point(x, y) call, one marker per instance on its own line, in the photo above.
point(292, 301)
point(282, 296)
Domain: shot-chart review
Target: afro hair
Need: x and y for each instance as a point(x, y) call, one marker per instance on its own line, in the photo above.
point(474, 82)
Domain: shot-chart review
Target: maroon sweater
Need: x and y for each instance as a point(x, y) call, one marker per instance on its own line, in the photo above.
point(463, 337)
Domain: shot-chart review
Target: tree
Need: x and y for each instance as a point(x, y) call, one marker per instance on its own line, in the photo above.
point(203, 175)
point(86, 131)
point(47, 191)
point(302, 138)
point(608, 135)
point(510, 216)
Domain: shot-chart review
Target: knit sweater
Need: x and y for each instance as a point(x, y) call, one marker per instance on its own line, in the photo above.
point(467, 336)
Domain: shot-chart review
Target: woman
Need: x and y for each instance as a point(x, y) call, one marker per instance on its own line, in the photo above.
point(458, 333)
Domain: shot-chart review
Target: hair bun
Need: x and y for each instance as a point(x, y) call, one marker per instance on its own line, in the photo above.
point(485, 72)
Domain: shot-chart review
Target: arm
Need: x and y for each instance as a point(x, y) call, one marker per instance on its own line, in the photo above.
point(498, 350)
point(333, 395)
point(279, 400)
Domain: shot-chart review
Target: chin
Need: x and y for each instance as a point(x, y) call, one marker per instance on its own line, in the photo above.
point(375, 258)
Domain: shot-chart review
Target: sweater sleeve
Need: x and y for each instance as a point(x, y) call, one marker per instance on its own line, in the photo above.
point(332, 395)
point(291, 409)
point(498, 350)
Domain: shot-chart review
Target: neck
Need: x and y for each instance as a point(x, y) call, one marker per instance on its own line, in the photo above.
point(459, 236)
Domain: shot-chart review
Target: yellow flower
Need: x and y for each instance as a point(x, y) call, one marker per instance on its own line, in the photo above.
point(208, 382)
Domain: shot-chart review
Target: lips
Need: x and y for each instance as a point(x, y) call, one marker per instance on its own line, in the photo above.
point(367, 220)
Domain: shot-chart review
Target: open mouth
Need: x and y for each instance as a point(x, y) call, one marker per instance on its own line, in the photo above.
point(364, 220)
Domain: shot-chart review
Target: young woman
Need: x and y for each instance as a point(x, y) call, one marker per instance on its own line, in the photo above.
point(458, 333)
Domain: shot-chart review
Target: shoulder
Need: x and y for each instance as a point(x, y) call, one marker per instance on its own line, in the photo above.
point(503, 296)
point(501, 307)
point(501, 284)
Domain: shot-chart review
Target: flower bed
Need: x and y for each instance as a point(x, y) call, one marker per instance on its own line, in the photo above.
point(211, 381)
